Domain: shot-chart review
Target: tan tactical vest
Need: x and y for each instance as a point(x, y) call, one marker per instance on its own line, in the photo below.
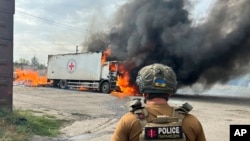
point(162, 128)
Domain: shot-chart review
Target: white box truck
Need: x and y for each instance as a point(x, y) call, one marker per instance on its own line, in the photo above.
point(82, 70)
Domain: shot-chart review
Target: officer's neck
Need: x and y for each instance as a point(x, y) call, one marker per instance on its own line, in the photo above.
point(157, 101)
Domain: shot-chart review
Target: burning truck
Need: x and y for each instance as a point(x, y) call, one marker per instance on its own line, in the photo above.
point(83, 71)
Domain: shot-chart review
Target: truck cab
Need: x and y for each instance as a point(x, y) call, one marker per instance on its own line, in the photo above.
point(109, 76)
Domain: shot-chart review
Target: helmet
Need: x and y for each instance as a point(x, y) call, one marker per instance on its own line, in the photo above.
point(156, 78)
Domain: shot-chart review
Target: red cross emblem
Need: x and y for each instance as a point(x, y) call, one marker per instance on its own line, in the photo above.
point(71, 66)
point(151, 133)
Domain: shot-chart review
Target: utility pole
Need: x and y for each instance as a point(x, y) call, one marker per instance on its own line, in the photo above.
point(7, 10)
point(76, 49)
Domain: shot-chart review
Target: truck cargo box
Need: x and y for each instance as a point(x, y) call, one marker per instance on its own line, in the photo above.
point(80, 66)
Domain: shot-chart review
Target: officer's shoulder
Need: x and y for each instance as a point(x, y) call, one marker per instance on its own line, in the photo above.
point(184, 109)
point(191, 119)
point(129, 116)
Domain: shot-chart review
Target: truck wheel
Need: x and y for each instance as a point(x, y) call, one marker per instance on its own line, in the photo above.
point(63, 84)
point(105, 88)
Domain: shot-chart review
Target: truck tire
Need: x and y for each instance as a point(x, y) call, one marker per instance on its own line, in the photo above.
point(63, 84)
point(105, 87)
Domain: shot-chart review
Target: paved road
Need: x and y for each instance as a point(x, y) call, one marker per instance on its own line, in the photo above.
point(93, 116)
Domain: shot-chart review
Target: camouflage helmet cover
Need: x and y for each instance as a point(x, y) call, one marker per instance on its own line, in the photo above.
point(156, 78)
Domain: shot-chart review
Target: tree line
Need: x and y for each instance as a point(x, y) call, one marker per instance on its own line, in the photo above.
point(33, 63)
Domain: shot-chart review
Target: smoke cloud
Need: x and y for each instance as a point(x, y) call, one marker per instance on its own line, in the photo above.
point(161, 31)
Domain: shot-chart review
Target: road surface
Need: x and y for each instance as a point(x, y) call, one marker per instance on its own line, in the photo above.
point(93, 116)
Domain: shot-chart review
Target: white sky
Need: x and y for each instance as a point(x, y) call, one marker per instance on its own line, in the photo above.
point(44, 27)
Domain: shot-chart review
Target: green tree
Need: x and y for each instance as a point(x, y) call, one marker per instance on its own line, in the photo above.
point(34, 61)
point(41, 66)
point(20, 63)
point(23, 61)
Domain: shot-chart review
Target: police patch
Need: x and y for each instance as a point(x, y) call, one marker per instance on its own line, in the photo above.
point(170, 132)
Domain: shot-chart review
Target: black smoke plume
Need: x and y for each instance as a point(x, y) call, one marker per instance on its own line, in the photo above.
point(161, 31)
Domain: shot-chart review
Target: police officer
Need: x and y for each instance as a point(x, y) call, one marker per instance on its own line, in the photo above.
point(157, 82)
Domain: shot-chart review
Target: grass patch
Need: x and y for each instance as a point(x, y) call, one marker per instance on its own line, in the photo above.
point(20, 125)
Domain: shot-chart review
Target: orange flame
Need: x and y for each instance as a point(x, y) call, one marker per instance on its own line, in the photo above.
point(123, 82)
point(112, 67)
point(29, 78)
point(82, 89)
point(105, 54)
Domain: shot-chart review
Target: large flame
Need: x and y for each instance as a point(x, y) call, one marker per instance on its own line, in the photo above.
point(123, 79)
point(29, 78)
point(105, 54)
point(123, 83)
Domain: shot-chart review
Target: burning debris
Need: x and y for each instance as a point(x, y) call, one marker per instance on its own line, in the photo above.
point(146, 32)
point(29, 78)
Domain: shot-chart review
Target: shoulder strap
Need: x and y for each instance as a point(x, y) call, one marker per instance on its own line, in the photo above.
point(176, 113)
point(141, 115)
point(181, 111)
point(135, 104)
point(185, 108)
point(139, 111)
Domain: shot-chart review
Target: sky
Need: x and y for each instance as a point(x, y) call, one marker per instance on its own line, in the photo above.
point(56, 27)
point(43, 28)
